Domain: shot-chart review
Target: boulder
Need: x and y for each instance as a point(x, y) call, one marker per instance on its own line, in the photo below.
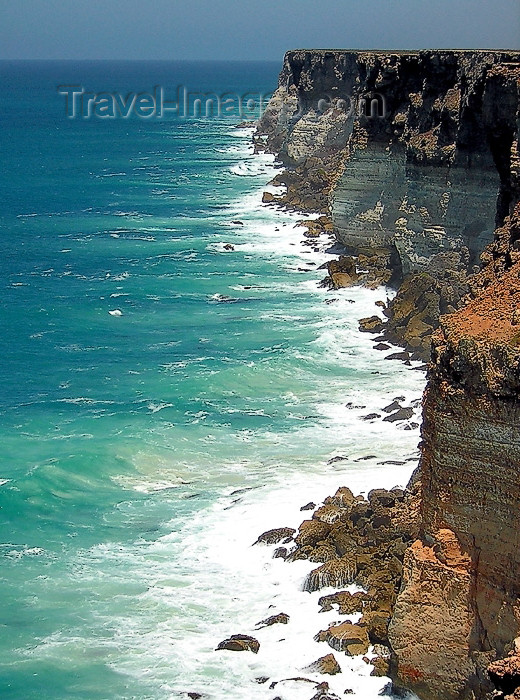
point(381, 666)
point(328, 513)
point(335, 573)
point(279, 619)
point(342, 498)
point(401, 414)
point(376, 623)
point(382, 497)
point(240, 642)
point(348, 603)
point(505, 674)
point(311, 532)
point(372, 324)
point(347, 637)
point(322, 553)
point(381, 662)
point(323, 693)
point(343, 539)
point(277, 535)
point(325, 664)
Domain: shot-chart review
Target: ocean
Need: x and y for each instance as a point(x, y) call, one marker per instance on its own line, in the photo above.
point(173, 382)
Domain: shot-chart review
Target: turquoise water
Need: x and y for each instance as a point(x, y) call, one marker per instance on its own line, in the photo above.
point(144, 450)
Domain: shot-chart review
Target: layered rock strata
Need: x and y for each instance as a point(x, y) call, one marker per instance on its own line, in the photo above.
point(427, 182)
point(458, 607)
point(412, 153)
point(406, 149)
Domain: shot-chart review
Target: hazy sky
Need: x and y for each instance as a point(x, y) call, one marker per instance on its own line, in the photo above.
point(247, 29)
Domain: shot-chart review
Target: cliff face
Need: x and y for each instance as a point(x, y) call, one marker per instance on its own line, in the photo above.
point(408, 150)
point(459, 603)
point(429, 181)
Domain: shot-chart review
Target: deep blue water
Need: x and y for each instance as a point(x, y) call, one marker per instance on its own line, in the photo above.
point(125, 435)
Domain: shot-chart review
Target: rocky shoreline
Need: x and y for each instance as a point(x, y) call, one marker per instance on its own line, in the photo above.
point(355, 541)
point(411, 194)
point(412, 197)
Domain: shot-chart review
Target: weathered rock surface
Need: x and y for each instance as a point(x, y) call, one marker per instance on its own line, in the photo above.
point(240, 642)
point(406, 152)
point(428, 182)
point(326, 665)
point(407, 174)
point(347, 637)
point(278, 534)
point(279, 619)
point(458, 605)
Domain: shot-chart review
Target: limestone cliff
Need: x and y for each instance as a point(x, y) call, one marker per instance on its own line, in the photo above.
point(412, 154)
point(459, 603)
point(409, 150)
point(429, 181)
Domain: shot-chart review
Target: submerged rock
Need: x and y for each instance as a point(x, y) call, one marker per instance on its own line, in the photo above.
point(394, 406)
point(276, 535)
point(403, 356)
point(279, 619)
point(309, 506)
point(371, 416)
point(240, 642)
point(323, 693)
point(401, 414)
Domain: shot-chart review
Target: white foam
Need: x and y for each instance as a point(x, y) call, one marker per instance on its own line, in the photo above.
point(155, 407)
